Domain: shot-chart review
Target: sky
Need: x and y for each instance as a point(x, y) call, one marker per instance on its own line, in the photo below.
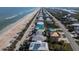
point(39, 3)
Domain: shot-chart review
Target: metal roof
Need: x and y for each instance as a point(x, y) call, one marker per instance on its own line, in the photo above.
point(38, 46)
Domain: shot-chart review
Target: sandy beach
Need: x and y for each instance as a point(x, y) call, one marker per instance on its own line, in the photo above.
point(7, 34)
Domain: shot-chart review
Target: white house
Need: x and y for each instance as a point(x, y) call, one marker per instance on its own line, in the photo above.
point(38, 46)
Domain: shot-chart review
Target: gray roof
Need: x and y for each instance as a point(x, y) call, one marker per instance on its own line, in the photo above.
point(48, 19)
point(38, 36)
point(38, 46)
point(40, 18)
point(73, 19)
point(75, 24)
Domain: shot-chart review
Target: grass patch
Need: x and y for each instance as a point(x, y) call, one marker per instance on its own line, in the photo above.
point(59, 46)
point(77, 42)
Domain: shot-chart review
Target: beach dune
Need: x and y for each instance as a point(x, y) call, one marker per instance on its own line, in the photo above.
point(10, 32)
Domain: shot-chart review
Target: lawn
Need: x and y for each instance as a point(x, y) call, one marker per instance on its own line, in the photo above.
point(59, 46)
point(77, 42)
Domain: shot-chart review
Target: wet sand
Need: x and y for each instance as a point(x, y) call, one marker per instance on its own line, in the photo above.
point(8, 34)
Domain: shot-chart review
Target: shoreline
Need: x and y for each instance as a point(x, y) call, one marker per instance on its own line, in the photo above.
point(12, 24)
point(11, 31)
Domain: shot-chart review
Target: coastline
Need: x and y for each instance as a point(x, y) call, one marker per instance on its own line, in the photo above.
point(10, 31)
point(12, 24)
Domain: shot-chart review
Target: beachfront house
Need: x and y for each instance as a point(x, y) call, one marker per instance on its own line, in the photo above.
point(38, 46)
point(39, 36)
point(40, 15)
point(40, 19)
point(40, 25)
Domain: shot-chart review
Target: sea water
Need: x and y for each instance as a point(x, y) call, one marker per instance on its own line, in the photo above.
point(9, 15)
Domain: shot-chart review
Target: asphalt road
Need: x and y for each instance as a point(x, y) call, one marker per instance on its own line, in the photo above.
point(73, 44)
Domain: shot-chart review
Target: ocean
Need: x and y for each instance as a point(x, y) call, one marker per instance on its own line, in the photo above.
point(9, 15)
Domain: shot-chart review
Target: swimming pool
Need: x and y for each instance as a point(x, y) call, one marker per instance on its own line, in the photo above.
point(40, 25)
